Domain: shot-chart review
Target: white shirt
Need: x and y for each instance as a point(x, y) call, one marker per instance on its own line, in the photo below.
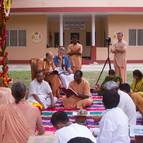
point(74, 130)
point(114, 127)
point(127, 105)
point(42, 90)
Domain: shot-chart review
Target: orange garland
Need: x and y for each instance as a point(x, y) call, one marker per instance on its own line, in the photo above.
point(4, 78)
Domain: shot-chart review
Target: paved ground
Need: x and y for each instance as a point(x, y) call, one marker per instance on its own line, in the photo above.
point(90, 67)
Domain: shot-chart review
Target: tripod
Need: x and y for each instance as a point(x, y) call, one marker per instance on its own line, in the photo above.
point(107, 60)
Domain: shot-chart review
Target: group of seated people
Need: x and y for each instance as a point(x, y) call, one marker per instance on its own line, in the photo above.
point(57, 69)
point(19, 118)
point(40, 92)
point(52, 74)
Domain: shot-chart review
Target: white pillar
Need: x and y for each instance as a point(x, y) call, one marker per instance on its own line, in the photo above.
point(93, 30)
point(61, 31)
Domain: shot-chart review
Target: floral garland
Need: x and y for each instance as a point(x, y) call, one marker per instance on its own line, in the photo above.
point(4, 78)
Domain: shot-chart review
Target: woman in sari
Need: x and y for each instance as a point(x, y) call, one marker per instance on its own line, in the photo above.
point(137, 83)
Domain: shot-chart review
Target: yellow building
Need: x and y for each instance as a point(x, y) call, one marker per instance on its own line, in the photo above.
point(36, 26)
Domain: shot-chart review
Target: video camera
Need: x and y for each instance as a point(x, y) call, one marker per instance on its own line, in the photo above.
point(108, 40)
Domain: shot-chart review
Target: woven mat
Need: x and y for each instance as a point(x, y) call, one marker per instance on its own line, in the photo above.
point(96, 108)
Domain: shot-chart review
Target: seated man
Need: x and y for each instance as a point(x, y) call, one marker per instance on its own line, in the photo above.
point(126, 103)
point(113, 77)
point(114, 123)
point(82, 88)
point(67, 130)
point(110, 77)
point(80, 140)
point(40, 91)
point(63, 66)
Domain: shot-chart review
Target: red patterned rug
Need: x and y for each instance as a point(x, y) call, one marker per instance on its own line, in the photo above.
point(96, 108)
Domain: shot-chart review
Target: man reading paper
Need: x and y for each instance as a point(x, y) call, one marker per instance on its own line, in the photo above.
point(82, 88)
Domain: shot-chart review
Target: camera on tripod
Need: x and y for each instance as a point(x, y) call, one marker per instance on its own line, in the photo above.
point(108, 40)
point(108, 43)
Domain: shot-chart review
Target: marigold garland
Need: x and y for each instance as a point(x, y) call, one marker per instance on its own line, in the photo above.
point(5, 9)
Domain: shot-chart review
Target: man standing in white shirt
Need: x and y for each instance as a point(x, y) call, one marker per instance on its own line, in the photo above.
point(40, 91)
point(126, 103)
point(114, 123)
point(67, 130)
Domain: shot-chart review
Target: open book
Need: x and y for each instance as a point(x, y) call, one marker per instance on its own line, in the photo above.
point(69, 92)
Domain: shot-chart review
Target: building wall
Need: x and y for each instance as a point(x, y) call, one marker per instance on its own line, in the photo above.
point(110, 25)
point(124, 23)
point(78, 3)
point(30, 24)
point(53, 26)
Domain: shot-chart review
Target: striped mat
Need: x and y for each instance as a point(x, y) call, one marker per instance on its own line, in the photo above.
point(96, 109)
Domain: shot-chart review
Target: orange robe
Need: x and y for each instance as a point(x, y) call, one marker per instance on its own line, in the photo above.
point(36, 64)
point(52, 78)
point(138, 100)
point(13, 125)
point(119, 49)
point(6, 96)
point(75, 102)
point(32, 116)
point(75, 52)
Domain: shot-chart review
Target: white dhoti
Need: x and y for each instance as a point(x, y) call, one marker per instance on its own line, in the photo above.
point(66, 79)
point(44, 99)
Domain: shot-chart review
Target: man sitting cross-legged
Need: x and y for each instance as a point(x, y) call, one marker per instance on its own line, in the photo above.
point(40, 91)
point(67, 130)
point(82, 88)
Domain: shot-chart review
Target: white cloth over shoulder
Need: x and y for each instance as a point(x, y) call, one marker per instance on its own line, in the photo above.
point(114, 127)
point(74, 130)
point(65, 77)
point(42, 90)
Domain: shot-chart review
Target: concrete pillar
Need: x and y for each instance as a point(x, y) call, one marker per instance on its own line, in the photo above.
point(61, 31)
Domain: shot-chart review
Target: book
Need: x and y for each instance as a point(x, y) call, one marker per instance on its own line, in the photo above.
point(69, 92)
point(136, 130)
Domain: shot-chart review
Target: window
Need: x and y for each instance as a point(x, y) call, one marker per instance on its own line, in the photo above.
point(16, 38)
point(140, 37)
point(57, 39)
point(135, 37)
point(132, 37)
point(22, 38)
point(88, 38)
